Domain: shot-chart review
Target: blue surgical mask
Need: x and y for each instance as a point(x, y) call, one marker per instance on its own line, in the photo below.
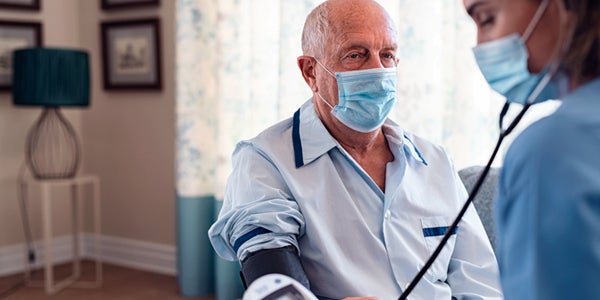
point(503, 63)
point(365, 97)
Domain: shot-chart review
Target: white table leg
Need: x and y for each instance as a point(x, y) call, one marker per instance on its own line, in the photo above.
point(76, 227)
point(47, 219)
point(77, 198)
point(97, 228)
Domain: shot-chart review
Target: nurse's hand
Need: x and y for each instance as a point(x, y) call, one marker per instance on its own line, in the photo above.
point(360, 298)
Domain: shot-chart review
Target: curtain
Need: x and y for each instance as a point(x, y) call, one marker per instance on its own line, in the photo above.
point(237, 74)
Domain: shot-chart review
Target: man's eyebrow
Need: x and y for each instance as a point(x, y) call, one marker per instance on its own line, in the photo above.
point(364, 45)
point(473, 6)
point(354, 46)
point(393, 47)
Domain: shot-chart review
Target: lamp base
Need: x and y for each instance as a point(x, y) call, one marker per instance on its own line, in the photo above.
point(52, 149)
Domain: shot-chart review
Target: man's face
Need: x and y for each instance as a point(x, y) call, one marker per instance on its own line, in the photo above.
point(362, 43)
point(357, 41)
point(498, 18)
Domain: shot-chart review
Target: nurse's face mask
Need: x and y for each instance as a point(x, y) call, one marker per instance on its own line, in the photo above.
point(365, 97)
point(503, 63)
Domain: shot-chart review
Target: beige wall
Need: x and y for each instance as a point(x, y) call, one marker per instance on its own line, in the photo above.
point(130, 138)
point(127, 137)
point(60, 28)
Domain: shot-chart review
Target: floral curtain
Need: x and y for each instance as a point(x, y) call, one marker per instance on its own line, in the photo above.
point(237, 74)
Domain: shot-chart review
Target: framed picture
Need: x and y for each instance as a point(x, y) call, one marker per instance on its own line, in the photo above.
point(131, 54)
point(15, 35)
point(20, 4)
point(117, 4)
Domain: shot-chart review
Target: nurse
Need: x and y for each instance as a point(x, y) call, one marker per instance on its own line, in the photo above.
point(548, 204)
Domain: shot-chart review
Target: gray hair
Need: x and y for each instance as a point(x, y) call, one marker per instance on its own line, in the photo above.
point(315, 30)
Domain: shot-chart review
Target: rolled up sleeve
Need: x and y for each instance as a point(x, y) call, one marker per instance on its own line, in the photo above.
point(258, 212)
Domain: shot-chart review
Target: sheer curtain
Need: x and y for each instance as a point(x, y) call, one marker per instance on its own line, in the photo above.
point(237, 74)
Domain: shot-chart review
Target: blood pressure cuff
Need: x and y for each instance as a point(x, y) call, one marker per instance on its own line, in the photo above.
point(284, 260)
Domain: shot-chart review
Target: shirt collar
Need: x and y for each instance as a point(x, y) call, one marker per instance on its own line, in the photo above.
point(311, 139)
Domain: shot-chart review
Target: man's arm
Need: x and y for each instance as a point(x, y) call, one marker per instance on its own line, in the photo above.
point(473, 270)
point(259, 222)
point(283, 260)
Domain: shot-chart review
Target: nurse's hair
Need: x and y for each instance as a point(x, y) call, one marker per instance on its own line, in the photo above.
point(582, 58)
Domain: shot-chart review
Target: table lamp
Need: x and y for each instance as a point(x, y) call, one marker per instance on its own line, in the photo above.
point(51, 77)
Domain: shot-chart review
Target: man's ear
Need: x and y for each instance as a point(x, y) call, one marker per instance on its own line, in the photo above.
point(307, 68)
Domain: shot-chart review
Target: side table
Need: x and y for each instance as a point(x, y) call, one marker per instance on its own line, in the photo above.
point(75, 184)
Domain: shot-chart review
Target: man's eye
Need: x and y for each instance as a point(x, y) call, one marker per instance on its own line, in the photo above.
point(353, 60)
point(388, 60)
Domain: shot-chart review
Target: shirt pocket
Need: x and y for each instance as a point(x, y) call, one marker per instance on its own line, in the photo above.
point(433, 230)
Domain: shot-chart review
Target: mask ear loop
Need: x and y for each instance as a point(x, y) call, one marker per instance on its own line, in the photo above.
point(566, 35)
point(536, 18)
point(330, 73)
point(526, 35)
point(539, 87)
point(324, 67)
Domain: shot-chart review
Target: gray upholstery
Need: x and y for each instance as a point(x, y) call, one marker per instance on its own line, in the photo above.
point(484, 201)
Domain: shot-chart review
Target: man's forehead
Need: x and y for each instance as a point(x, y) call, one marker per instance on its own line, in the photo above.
point(348, 25)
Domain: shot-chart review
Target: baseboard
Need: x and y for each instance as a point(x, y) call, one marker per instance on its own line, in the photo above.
point(152, 257)
point(12, 258)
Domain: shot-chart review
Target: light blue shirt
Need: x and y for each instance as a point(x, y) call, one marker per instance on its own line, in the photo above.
point(548, 206)
point(294, 184)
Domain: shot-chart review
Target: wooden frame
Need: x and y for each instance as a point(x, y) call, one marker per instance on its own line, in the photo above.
point(119, 4)
point(15, 35)
point(131, 54)
point(20, 4)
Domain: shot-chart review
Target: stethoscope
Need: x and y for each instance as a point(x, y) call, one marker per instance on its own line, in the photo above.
point(504, 132)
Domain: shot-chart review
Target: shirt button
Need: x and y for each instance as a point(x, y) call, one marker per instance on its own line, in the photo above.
point(388, 214)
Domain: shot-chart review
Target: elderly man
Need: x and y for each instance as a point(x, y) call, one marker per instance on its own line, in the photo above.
point(340, 197)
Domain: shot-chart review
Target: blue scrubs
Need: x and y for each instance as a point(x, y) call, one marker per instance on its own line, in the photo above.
point(548, 208)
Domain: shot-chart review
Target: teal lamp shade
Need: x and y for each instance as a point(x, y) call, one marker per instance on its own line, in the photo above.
point(51, 78)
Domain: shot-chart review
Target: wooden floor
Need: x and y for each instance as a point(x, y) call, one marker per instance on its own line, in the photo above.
point(119, 284)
